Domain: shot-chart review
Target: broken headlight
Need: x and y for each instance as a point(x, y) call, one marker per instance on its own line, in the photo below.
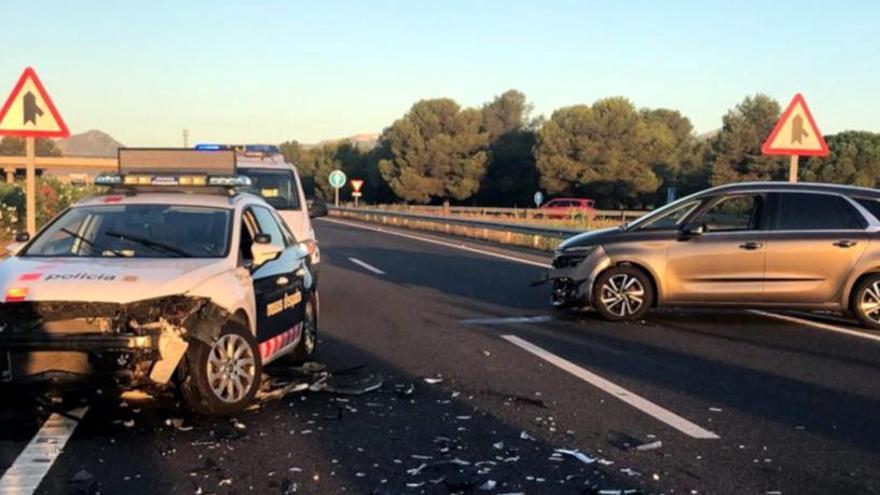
point(571, 257)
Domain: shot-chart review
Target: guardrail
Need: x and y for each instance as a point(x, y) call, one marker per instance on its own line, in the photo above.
point(507, 233)
point(513, 213)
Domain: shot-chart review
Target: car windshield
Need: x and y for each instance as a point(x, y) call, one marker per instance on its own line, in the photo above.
point(667, 217)
point(136, 231)
point(277, 187)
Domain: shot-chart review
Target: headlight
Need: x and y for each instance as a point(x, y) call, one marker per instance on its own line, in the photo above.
point(571, 257)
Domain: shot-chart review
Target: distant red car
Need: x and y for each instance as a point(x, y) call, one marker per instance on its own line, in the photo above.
point(568, 207)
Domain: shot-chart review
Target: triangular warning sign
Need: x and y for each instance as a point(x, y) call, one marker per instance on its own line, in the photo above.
point(29, 110)
point(796, 133)
point(356, 184)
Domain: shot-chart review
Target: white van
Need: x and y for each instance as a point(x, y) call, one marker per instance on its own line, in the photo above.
point(278, 182)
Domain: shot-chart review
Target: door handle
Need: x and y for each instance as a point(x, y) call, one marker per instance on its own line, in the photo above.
point(751, 246)
point(282, 281)
point(845, 243)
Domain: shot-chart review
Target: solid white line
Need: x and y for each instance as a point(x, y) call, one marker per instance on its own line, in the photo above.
point(503, 321)
point(638, 402)
point(816, 324)
point(440, 243)
point(367, 266)
point(29, 468)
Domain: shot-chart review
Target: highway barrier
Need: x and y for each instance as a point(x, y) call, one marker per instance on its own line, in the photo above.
point(542, 237)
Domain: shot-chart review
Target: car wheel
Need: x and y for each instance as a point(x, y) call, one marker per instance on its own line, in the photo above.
point(622, 293)
point(866, 301)
point(305, 348)
point(221, 378)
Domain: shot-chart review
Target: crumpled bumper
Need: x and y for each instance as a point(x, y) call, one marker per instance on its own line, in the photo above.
point(573, 277)
point(82, 342)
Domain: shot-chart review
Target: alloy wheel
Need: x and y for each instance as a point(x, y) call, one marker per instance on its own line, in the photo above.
point(622, 294)
point(231, 368)
point(870, 302)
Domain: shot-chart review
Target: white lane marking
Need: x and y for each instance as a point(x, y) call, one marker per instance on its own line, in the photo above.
point(816, 324)
point(638, 402)
point(29, 468)
point(367, 266)
point(441, 243)
point(503, 321)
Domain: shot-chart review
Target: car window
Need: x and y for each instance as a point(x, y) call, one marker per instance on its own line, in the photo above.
point(669, 219)
point(733, 213)
point(277, 187)
point(288, 235)
point(808, 211)
point(269, 226)
point(870, 204)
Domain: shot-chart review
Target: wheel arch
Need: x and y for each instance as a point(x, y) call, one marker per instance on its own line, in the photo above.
point(849, 294)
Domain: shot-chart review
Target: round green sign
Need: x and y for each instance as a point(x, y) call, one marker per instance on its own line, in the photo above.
point(337, 179)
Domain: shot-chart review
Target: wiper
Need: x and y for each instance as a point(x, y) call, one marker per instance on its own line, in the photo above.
point(89, 243)
point(148, 243)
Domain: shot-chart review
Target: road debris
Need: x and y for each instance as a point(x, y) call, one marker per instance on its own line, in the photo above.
point(433, 381)
point(649, 446)
point(577, 455)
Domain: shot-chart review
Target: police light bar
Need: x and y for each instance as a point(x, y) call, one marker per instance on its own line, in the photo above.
point(173, 180)
point(247, 149)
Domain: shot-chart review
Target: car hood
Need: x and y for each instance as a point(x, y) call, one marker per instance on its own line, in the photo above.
point(112, 280)
point(590, 238)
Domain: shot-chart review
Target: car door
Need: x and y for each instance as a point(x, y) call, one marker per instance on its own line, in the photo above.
point(813, 243)
point(725, 263)
point(277, 288)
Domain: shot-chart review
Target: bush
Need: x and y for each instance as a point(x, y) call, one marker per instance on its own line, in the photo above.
point(53, 197)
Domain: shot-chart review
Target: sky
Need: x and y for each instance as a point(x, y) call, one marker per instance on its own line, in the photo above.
point(271, 71)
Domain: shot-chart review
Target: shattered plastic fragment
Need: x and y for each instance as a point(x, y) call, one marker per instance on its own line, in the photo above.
point(577, 455)
point(649, 446)
point(525, 436)
point(433, 381)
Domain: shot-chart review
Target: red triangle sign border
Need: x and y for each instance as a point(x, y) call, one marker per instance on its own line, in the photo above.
point(767, 148)
point(30, 73)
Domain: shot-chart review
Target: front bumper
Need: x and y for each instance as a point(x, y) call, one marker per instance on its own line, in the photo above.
point(84, 342)
point(573, 277)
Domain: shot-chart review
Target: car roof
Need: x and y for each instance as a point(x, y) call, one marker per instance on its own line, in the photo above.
point(174, 198)
point(264, 161)
point(792, 187)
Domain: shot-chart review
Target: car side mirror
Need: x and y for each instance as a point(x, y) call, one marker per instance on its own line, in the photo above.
point(318, 208)
point(692, 229)
point(264, 250)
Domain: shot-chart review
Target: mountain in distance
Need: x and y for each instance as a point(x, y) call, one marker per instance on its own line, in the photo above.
point(363, 142)
point(92, 143)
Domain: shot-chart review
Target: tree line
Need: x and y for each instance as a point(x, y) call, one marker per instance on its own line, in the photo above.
point(611, 151)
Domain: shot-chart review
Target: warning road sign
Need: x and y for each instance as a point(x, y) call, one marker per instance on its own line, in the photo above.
point(29, 110)
point(796, 133)
point(357, 184)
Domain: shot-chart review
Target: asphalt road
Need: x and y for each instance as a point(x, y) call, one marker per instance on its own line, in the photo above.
point(684, 402)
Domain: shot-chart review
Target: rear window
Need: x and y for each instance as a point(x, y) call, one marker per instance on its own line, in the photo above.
point(807, 211)
point(277, 187)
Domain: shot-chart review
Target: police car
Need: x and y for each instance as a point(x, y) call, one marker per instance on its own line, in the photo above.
point(173, 277)
point(278, 182)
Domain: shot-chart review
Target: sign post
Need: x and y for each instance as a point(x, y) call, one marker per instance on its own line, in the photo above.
point(795, 134)
point(30, 113)
point(337, 181)
point(356, 185)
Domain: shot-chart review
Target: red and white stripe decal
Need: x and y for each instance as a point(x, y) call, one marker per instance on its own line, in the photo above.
point(274, 344)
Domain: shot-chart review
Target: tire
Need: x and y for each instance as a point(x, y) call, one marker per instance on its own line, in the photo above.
point(865, 301)
point(305, 348)
point(623, 293)
point(210, 390)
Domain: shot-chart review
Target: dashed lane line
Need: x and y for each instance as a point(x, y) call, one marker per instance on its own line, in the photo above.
point(506, 321)
point(664, 415)
point(438, 242)
point(31, 466)
point(366, 266)
point(816, 324)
